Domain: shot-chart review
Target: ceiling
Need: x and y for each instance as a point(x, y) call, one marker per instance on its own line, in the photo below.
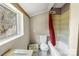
point(37, 8)
point(59, 5)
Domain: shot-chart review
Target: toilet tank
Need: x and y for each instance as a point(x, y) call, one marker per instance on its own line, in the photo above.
point(43, 38)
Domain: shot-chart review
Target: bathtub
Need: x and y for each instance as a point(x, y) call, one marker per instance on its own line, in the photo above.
point(58, 50)
point(52, 50)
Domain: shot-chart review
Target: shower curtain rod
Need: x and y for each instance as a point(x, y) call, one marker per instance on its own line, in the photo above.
point(52, 11)
point(54, 6)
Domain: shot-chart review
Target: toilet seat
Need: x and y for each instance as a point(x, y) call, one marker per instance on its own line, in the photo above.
point(44, 47)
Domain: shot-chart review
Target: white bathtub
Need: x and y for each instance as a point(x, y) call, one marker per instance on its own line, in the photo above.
point(53, 50)
point(60, 49)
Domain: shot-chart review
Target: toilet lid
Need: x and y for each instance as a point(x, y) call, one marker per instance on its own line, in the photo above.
point(44, 46)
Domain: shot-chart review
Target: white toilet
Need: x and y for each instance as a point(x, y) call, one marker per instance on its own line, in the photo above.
point(43, 45)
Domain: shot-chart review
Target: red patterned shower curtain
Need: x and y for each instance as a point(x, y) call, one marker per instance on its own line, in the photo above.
point(51, 30)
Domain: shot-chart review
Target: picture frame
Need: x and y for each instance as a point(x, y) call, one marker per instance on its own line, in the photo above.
point(11, 21)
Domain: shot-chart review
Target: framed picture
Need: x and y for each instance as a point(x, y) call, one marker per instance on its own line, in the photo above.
point(11, 23)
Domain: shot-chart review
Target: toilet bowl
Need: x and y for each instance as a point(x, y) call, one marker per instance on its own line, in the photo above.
point(43, 45)
point(44, 49)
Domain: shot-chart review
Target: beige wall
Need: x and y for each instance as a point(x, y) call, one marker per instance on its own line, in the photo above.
point(21, 42)
point(39, 26)
point(73, 25)
point(6, 46)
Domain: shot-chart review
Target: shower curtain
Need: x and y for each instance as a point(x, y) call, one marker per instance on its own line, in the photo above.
point(51, 30)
